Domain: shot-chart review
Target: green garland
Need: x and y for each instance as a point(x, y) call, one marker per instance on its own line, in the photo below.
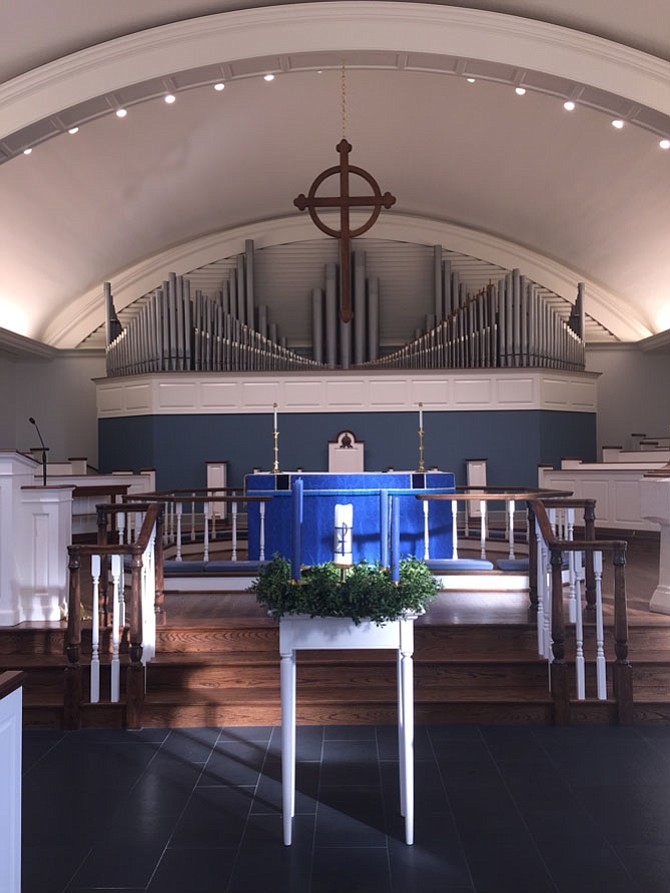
point(361, 592)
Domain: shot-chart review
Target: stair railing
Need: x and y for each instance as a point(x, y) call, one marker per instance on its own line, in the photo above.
point(127, 619)
point(552, 621)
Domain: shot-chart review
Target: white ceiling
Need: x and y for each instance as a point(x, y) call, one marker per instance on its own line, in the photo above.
point(471, 163)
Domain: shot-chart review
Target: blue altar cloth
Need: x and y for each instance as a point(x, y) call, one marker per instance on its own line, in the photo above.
point(367, 492)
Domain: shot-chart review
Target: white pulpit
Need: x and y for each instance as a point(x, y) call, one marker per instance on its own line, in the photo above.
point(655, 506)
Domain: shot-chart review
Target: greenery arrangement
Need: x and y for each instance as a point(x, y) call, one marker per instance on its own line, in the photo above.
point(361, 592)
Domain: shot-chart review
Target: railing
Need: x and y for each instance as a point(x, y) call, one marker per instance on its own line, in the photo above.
point(462, 527)
point(200, 521)
point(130, 621)
point(551, 604)
point(556, 563)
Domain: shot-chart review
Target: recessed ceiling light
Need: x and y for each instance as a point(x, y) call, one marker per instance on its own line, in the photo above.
point(27, 151)
point(520, 91)
point(618, 123)
point(219, 86)
point(665, 144)
point(268, 77)
point(170, 98)
point(121, 113)
point(470, 80)
point(569, 106)
point(73, 130)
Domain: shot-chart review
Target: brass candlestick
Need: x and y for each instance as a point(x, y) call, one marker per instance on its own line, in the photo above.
point(422, 466)
point(275, 464)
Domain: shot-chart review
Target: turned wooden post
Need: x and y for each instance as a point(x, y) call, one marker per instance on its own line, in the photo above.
point(135, 674)
point(532, 558)
point(72, 683)
point(104, 566)
point(590, 534)
point(623, 671)
point(158, 561)
point(559, 668)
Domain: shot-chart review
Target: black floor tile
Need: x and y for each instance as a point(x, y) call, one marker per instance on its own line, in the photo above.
point(497, 809)
point(180, 870)
point(350, 870)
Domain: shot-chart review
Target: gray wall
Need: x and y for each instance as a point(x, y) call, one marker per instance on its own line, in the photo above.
point(633, 392)
point(60, 394)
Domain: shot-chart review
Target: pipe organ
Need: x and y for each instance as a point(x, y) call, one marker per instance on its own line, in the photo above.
point(507, 324)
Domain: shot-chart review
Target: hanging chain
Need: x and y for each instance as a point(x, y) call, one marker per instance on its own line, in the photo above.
point(344, 100)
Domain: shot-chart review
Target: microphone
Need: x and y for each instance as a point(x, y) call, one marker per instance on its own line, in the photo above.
point(44, 451)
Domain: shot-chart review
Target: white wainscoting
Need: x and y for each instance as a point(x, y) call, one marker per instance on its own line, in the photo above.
point(384, 391)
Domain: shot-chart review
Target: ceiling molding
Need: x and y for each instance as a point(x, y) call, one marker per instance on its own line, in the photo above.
point(84, 314)
point(19, 346)
point(337, 26)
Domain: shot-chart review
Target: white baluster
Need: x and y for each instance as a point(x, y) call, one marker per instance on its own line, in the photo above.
point(541, 585)
point(193, 518)
point(179, 510)
point(205, 516)
point(116, 611)
point(572, 575)
point(120, 527)
point(261, 508)
point(482, 527)
point(601, 667)
point(575, 561)
point(95, 631)
point(233, 557)
point(454, 528)
point(510, 527)
point(426, 532)
point(149, 600)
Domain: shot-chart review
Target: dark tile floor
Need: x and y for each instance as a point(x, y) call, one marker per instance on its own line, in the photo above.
point(498, 809)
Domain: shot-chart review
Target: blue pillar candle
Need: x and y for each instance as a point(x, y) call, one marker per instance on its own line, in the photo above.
point(297, 486)
point(384, 528)
point(395, 539)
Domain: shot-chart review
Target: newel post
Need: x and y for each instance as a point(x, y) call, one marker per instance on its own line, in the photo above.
point(72, 683)
point(135, 673)
point(559, 668)
point(158, 560)
point(623, 671)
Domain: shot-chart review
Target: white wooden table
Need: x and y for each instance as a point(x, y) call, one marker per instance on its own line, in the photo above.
point(300, 632)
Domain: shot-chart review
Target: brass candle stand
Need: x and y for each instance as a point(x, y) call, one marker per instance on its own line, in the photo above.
point(275, 438)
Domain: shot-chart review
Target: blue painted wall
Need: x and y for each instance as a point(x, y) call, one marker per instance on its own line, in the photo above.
point(513, 442)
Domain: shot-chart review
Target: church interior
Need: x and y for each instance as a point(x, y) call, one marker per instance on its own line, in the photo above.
point(258, 259)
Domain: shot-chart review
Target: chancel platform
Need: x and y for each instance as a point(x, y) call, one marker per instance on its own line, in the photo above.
point(369, 494)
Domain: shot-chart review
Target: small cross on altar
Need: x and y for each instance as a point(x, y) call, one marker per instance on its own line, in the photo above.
point(344, 201)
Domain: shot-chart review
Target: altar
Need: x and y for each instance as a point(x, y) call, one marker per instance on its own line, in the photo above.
point(368, 493)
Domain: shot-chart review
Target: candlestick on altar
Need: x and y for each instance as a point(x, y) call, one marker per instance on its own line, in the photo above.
point(275, 437)
point(422, 466)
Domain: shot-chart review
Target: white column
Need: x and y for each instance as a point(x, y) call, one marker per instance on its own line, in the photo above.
point(15, 471)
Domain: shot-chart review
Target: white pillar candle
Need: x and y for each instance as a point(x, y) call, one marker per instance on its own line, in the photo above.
point(344, 521)
point(420, 417)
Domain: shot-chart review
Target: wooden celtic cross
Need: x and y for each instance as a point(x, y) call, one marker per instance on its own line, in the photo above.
point(344, 201)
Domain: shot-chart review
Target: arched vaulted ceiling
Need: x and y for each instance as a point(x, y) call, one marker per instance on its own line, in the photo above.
point(515, 180)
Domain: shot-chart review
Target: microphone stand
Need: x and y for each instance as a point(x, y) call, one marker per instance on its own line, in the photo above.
point(45, 450)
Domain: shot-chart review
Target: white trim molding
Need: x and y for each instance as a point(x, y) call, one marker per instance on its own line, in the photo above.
point(333, 27)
